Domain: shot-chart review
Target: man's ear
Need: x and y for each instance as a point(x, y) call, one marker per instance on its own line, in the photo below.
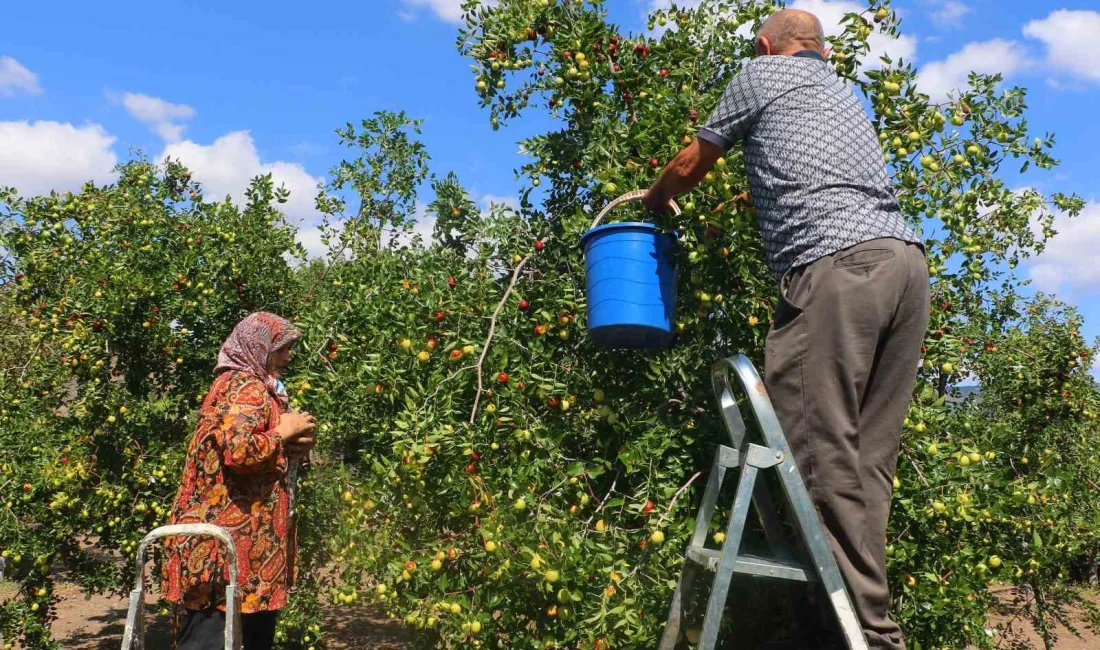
point(762, 46)
point(827, 52)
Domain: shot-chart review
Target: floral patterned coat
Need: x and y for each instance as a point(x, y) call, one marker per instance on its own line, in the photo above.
point(235, 476)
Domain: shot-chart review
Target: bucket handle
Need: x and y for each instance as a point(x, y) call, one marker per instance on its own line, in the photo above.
point(629, 196)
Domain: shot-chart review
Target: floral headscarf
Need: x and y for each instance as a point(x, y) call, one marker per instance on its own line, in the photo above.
point(249, 345)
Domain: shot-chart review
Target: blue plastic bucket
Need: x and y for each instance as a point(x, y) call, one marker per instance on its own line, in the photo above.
point(630, 274)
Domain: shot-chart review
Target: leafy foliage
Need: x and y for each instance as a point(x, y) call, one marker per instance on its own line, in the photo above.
point(486, 473)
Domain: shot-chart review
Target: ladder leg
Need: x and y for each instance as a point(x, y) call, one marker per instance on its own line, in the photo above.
point(809, 525)
point(133, 635)
point(769, 519)
point(687, 577)
point(679, 606)
point(766, 510)
point(735, 427)
point(817, 544)
point(717, 601)
point(727, 404)
point(710, 499)
point(805, 514)
point(780, 546)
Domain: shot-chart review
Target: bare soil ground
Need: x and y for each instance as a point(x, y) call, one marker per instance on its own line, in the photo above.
point(96, 623)
point(1017, 631)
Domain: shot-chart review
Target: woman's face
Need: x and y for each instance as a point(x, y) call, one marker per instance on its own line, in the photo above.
point(278, 360)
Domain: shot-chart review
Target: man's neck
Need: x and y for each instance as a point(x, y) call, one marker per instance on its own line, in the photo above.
point(808, 54)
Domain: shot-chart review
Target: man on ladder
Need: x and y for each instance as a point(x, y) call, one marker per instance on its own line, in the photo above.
point(843, 351)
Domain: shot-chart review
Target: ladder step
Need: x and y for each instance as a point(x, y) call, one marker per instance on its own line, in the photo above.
point(754, 565)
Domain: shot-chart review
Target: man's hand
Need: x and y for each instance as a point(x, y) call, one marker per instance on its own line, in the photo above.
point(655, 200)
point(685, 171)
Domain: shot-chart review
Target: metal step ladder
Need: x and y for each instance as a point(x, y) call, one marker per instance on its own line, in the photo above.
point(751, 458)
point(133, 635)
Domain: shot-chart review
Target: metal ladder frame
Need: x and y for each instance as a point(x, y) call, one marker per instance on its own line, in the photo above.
point(752, 458)
point(133, 637)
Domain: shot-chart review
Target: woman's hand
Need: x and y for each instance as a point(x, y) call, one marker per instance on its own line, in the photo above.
point(301, 446)
point(293, 427)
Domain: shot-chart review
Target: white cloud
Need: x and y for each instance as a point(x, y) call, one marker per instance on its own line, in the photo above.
point(159, 115)
point(226, 166)
point(423, 225)
point(1069, 261)
point(449, 10)
point(831, 12)
point(654, 5)
point(948, 12)
point(510, 201)
point(1070, 38)
point(743, 31)
point(15, 77)
point(154, 109)
point(307, 148)
point(998, 55)
point(36, 157)
point(310, 239)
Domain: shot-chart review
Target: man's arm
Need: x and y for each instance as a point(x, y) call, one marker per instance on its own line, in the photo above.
point(681, 175)
point(730, 122)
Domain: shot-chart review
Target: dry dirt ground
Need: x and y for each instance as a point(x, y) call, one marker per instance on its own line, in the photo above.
point(1020, 631)
point(96, 623)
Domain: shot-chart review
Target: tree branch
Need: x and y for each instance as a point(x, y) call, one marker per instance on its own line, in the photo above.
point(489, 338)
point(676, 496)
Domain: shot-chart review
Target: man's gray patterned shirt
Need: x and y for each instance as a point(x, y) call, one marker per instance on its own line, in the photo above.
point(813, 159)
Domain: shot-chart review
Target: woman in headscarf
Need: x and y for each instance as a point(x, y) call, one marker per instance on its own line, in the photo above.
point(236, 476)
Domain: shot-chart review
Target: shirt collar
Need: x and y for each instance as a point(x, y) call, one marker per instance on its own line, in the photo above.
point(809, 54)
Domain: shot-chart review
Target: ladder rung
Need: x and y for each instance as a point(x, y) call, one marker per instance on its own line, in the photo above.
point(753, 565)
point(728, 457)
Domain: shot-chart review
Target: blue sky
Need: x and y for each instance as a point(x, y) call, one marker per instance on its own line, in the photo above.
point(243, 87)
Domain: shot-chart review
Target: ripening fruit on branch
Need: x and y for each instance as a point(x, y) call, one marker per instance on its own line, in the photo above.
point(416, 422)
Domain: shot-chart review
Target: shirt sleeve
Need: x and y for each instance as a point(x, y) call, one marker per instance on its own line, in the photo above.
point(249, 448)
point(736, 112)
